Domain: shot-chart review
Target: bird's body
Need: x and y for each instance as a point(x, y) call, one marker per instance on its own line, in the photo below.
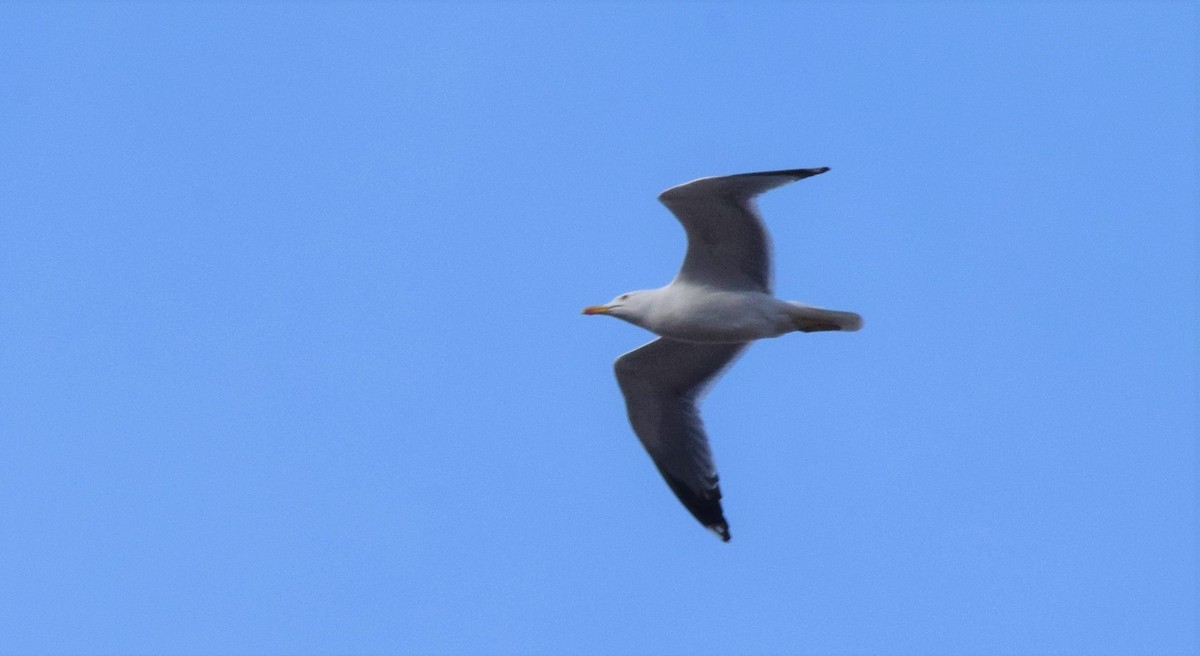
point(719, 302)
point(699, 313)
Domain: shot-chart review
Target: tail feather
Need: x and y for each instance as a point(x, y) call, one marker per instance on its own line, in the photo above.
point(806, 318)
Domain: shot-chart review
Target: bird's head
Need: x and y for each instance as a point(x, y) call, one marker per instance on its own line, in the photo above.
point(629, 306)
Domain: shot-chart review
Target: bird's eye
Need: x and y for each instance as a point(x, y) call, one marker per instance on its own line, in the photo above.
point(623, 297)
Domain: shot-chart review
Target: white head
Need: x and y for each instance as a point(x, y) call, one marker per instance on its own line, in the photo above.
point(630, 306)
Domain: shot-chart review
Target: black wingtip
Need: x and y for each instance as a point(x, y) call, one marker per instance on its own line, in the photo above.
point(797, 174)
point(706, 508)
point(800, 174)
point(722, 531)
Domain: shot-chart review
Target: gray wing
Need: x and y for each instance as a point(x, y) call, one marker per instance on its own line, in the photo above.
point(662, 382)
point(728, 246)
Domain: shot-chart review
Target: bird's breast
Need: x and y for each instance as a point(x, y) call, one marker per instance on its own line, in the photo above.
point(716, 317)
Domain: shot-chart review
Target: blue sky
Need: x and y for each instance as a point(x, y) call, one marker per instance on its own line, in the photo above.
point(291, 358)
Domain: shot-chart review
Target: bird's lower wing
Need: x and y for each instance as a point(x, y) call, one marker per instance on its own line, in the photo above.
point(662, 382)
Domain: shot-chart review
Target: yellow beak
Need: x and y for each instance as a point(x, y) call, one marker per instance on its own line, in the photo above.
point(597, 309)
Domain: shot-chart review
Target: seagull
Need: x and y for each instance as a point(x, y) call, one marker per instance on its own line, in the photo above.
point(720, 301)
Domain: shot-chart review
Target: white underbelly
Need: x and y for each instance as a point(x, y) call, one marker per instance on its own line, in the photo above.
point(719, 317)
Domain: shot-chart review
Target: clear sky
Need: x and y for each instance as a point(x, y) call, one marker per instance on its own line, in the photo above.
point(291, 358)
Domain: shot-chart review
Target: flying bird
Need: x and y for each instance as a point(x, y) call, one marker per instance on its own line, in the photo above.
point(720, 301)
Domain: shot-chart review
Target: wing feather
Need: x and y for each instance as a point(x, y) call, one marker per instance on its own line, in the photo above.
point(728, 245)
point(662, 382)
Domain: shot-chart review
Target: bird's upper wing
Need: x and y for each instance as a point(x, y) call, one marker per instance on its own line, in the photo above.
point(728, 246)
point(662, 382)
